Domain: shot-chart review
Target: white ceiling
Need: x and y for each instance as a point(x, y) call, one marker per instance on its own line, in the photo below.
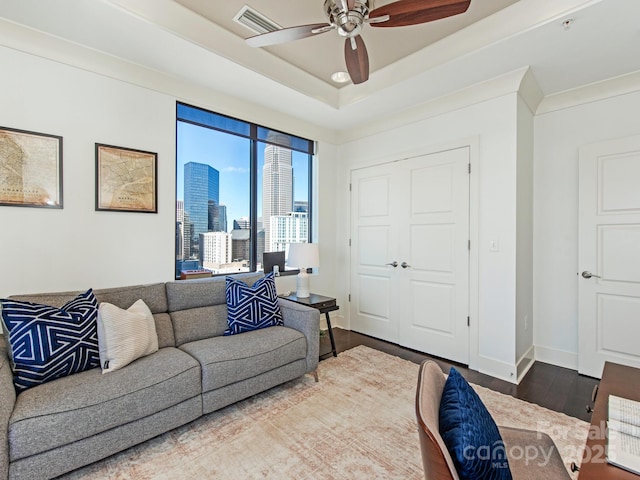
point(321, 55)
point(163, 35)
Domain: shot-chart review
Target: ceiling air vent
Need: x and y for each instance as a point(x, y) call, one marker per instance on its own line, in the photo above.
point(255, 21)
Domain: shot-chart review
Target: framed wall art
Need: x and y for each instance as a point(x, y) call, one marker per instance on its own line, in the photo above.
point(30, 169)
point(126, 179)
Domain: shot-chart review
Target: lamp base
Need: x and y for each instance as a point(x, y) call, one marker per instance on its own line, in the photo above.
point(302, 284)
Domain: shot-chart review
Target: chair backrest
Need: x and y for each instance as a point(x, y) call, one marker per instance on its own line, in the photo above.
point(436, 460)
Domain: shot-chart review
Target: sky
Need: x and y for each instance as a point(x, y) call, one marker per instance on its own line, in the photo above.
point(229, 154)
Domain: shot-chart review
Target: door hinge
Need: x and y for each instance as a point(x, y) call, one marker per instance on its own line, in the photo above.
point(469, 245)
point(469, 168)
point(349, 242)
point(349, 297)
point(349, 187)
point(468, 321)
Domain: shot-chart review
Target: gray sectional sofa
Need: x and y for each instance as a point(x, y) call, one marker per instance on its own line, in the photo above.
point(73, 421)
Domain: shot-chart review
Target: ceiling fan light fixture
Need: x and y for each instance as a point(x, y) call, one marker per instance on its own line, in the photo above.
point(340, 77)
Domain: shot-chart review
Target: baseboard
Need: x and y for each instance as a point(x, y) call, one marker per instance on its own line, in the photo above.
point(337, 321)
point(525, 363)
point(497, 369)
point(560, 358)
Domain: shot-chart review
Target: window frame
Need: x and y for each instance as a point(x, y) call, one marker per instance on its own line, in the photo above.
point(255, 136)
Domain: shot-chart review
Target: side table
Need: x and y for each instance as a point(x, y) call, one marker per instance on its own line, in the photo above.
point(324, 305)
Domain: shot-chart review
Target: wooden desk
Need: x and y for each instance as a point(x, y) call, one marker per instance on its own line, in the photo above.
point(617, 380)
point(324, 305)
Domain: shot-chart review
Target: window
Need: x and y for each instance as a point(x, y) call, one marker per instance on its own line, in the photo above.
point(241, 190)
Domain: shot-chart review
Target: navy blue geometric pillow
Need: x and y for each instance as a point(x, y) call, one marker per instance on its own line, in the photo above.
point(251, 308)
point(48, 342)
point(470, 433)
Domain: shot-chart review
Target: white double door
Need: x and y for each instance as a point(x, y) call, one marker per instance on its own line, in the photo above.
point(410, 253)
point(609, 255)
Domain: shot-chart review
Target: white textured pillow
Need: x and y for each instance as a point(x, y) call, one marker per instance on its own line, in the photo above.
point(125, 335)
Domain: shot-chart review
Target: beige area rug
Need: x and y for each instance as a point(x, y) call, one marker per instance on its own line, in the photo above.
point(358, 422)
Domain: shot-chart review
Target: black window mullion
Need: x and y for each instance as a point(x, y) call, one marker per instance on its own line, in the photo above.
point(253, 203)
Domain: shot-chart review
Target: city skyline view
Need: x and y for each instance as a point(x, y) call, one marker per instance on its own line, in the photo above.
point(229, 155)
point(215, 209)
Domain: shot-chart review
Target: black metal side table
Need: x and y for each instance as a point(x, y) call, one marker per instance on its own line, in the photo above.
point(324, 305)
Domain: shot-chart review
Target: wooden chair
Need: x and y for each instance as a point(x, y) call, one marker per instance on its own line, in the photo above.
point(437, 462)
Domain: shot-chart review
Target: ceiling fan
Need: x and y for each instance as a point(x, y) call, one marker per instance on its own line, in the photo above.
point(349, 16)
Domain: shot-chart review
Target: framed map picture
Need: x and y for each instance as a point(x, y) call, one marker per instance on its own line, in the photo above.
point(30, 169)
point(126, 179)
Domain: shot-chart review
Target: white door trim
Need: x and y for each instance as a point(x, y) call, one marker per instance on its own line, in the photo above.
point(473, 143)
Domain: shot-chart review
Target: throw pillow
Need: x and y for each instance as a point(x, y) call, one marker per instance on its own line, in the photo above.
point(125, 335)
point(470, 433)
point(251, 308)
point(48, 342)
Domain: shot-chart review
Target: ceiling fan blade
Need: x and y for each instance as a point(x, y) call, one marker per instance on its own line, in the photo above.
point(357, 60)
point(287, 35)
point(413, 12)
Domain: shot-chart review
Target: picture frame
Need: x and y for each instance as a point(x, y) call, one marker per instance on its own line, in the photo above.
point(30, 169)
point(126, 179)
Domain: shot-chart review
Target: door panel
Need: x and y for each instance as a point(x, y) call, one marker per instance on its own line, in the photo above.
point(414, 212)
point(609, 240)
point(436, 248)
point(373, 245)
point(438, 318)
point(432, 248)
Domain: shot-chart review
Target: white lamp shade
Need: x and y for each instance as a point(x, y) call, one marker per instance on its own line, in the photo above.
point(303, 255)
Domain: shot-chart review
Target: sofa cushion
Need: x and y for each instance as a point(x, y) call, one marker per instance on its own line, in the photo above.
point(199, 323)
point(470, 433)
point(154, 295)
point(48, 342)
point(198, 308)
point(252, 307)
point(204, 292)
point(226, 360)
point(85, 404)
point(125, 335)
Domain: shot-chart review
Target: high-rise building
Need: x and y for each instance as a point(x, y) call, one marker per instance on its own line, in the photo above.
point(222, 217)
point(277, 183)
point(213, 224)
point(179, 210)
point(291, 228)
point(201, 186)
point(179, 230)
point(215, 249)
point(242, 223)
point(301, 206)
point(241, 244)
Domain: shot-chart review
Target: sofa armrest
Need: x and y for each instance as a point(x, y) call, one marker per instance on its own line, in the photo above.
point(7, 401)
point(306, 320)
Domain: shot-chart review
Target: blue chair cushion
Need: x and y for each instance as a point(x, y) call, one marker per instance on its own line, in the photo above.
point(251, 308)
point(48, 342)
point(470, 433)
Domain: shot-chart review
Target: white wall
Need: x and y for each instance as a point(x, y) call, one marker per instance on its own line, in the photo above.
point(558, 136)
point(491, 125)
point(76, 247)
point(524, 239)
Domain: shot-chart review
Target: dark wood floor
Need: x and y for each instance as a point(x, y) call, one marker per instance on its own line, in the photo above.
point(553, 387)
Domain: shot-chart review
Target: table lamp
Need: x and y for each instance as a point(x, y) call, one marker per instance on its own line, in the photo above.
point(303, 256)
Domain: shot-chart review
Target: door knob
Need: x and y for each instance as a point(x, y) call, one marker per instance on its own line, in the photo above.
point(405, 265)
point(394, 264)
point(587, 274)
